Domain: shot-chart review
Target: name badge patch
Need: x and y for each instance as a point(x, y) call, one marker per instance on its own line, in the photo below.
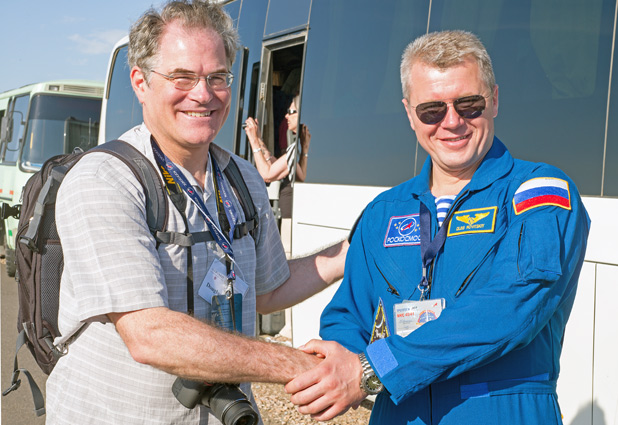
point(402, 231)
point(478, 220)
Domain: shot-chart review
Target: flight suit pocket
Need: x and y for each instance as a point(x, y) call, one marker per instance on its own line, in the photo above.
point(539, 249)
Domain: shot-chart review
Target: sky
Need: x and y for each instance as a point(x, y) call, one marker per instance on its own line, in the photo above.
point(64, 39)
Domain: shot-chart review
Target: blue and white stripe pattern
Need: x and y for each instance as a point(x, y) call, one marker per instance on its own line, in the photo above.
point(443, 203)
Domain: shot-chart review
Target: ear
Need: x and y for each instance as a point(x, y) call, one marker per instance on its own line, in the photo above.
point(495, 101)
point(409, 111)
point(139, 84)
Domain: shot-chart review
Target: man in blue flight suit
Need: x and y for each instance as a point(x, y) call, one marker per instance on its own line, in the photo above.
point(459, 282)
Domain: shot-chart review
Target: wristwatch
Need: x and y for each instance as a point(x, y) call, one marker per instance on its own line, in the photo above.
point(370, 383)
point(257, 150)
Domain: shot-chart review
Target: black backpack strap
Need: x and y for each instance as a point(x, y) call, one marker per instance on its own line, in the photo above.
point(147, 175)
point(252, 219)
point(37, 396)
point(46, 196)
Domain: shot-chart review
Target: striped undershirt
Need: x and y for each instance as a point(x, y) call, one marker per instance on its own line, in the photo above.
point(443, 203)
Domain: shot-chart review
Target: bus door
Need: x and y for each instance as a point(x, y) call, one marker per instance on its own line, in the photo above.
point(12, 129)
point(280, 81)
point(13, 125)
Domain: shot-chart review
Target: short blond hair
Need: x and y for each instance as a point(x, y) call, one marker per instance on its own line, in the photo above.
point(443, 50)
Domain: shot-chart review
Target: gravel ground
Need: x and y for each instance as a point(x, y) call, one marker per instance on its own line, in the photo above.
point(276, 408)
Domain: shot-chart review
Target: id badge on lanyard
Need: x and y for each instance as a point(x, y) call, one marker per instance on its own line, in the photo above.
point(411, 315)
point(222, 240)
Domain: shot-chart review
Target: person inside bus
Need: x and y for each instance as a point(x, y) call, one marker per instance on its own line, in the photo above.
point(134, 294)
point(292, 166)
point(459, 282)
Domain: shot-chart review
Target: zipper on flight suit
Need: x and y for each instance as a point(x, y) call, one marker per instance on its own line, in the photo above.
point(469, 277)
point(521, 233)
point(391, 289)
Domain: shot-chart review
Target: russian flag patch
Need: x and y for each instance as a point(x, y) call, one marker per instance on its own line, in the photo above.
point(542, 191)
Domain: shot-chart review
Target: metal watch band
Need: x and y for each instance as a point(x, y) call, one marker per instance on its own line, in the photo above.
point(370, 383)
point(365, 364)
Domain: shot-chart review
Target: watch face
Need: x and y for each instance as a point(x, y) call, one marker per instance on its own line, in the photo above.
point(372, 384)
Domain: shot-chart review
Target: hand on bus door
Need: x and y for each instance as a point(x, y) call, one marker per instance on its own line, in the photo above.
point(305, 138)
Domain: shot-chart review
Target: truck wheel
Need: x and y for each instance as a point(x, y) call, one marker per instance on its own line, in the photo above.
point(11, 267)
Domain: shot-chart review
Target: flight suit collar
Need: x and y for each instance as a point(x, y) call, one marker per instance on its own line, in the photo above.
point(496, 164)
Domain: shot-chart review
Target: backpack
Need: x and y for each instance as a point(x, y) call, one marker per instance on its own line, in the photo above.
point(39, 254)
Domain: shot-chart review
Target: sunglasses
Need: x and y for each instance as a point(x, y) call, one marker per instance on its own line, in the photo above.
point(467, 107)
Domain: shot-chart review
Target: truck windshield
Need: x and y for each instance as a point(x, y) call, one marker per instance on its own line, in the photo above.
point(58, 124)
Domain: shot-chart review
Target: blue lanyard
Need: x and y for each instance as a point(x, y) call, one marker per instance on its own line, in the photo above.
point(431, 247)
point(217, 234)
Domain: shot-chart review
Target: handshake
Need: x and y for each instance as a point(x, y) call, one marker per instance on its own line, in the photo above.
point(332, 386)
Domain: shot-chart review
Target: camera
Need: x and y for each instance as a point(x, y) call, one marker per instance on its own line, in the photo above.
point(227, 401)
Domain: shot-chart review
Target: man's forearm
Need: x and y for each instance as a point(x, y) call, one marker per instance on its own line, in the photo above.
point(308, 276)
point(155, 337)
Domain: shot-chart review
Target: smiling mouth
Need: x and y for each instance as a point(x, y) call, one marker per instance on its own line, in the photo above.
point(456, 139)
point(198, 114)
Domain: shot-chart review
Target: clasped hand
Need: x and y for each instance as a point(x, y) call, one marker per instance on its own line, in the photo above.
point(332, 387)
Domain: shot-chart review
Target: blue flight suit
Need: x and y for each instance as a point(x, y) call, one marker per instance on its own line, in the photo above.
point(508, 272)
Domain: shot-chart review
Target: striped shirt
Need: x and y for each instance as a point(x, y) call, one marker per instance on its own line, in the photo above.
point(112, 264)
point(443, 204)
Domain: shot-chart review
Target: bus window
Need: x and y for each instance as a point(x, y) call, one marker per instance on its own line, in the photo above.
point(225, 137)
point(352, 91)
point(123, 109)
point(285, 15)
point(57, 124)
point(610, 181)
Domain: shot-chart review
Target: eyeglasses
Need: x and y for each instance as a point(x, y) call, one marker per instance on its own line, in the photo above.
point(467, 107)
point(182, 81)
point(292, 111)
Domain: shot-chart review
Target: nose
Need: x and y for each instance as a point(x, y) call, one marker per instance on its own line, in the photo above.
point(452, 118)
point(202, 92)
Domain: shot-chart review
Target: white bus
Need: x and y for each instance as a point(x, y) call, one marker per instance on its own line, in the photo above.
point(39, 121)
point(554, 62)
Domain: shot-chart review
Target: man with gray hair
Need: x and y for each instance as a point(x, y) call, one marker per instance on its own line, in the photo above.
point(151, 308)
point(459, 282)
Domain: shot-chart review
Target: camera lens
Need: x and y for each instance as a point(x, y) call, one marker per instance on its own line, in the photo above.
point(230, 405)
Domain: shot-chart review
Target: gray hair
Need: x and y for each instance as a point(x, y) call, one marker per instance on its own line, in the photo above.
point(145, 35)
point(443, 50)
